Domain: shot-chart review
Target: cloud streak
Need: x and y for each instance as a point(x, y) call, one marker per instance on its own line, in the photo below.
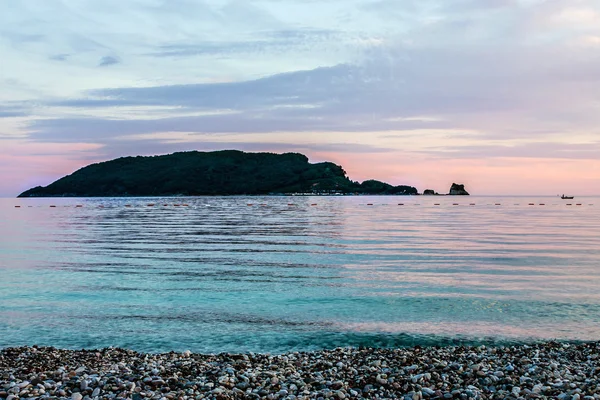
point(277, 41)
point(108, 60)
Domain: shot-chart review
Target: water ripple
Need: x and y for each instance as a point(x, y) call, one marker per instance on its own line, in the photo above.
point(219, 275)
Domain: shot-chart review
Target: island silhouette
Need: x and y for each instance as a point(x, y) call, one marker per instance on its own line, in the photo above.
point(227, 172)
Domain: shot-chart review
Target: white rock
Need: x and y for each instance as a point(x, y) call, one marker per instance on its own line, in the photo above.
point(76, 396)
point(96, 392)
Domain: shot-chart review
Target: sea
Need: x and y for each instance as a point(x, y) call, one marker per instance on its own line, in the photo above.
point(277, 274)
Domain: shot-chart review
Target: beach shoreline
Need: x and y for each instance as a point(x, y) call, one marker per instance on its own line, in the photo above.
point(542, 370)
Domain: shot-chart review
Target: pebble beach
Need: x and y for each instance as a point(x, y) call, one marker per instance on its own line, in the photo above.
point(543, 370)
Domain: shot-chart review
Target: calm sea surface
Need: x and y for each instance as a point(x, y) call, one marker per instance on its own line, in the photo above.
point(284, 274)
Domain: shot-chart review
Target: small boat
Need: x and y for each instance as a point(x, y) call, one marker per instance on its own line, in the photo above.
point(566, 197)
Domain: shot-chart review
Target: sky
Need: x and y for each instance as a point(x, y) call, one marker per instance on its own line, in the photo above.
point(500, 95)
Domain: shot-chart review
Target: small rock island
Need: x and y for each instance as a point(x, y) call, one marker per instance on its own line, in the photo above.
point(227, 172)
point(458, 190)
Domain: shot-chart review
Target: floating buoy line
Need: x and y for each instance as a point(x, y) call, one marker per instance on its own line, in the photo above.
point(179, 205)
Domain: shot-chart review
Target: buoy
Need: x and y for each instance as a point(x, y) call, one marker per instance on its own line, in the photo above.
point(531, 204)
point(175, 205)
point(436, 204)
point(400, 204)
point(472, 204)
point(569, 204)
point(52, 206)
point(578, 204)
point(78, 206)
point(369, 204)
point(185, 205)
point(250, 204)
point(498, 204)
point(290, 204)
point(17, 206)
point(314, 204)
point(454, 204)
point(150, 205)
point(165, 205)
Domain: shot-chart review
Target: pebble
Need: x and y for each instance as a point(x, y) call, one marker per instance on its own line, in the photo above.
point(428, 391)
point(542, 370)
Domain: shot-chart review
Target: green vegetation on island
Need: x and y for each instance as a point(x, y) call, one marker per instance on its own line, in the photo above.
point(228, 172)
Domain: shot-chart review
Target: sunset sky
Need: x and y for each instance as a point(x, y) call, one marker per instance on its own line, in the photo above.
point(501, 95)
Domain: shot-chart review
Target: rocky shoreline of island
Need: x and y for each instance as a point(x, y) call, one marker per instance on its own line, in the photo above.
point(541, 370)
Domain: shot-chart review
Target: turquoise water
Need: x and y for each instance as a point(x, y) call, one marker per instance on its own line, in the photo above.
point(221, 275)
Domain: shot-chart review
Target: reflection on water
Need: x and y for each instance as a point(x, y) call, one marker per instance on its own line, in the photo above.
point(282, 274)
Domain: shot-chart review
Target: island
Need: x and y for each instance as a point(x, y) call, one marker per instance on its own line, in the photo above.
point(226, 172)
point(458, 190)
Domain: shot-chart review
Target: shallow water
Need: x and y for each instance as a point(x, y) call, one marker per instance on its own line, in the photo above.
point(220, 275)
